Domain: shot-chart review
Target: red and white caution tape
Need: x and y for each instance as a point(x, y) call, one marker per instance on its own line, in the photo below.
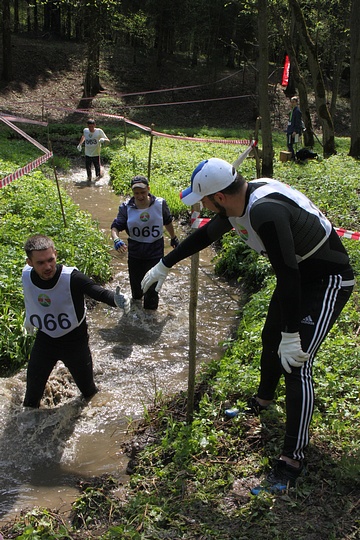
point(347, 234)
point(25, 170)
point(197, 222)
point(33, 164)
point(245, 154)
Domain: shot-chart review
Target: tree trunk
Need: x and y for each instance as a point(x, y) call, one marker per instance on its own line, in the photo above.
point(16, 16)
point(36, 18)
point(92, 84)
point(264, 108)
point(318, 81)
point(355, 79)
point(6, 74)
point(336, 79)
point(297, 77)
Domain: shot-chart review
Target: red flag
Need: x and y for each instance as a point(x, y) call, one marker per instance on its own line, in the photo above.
point(286, 70)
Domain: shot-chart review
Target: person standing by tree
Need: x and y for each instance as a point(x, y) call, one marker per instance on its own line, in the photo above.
point(294, 126)
point(54, 303)
point(314, 280)
point(93, 137)
point(143, 217)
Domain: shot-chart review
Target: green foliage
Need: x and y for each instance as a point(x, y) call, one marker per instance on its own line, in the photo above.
point(96, 503)
point(41, 524)
point(172, 163)
point(184, 484)
point(30, 206)
point(236, 259)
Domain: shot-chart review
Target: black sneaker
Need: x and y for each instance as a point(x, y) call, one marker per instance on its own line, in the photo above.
point(280, 478)
point(253, 407)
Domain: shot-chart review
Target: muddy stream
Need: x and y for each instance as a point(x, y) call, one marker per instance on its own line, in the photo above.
point(44, 452)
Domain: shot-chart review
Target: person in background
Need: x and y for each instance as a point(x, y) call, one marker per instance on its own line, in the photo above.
point(93, 137)
point(314, 280)
point(55, 305)
point(294, 126)
point(143, 217)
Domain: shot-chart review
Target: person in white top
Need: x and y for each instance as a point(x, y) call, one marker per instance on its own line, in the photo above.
point(93, 138)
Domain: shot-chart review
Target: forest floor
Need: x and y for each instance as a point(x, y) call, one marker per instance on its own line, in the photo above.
point(48, 85)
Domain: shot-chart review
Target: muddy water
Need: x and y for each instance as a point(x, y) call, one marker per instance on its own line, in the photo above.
point(136, 357)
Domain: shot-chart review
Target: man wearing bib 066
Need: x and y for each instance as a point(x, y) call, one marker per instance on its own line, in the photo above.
point(143, 217)
point(54, 303)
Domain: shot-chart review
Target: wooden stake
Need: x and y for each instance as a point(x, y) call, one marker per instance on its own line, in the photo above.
point(150, 151)
point(194, 288)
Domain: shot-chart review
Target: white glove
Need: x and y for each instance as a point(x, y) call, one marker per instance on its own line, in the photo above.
point(122, 301)
point(290, 351)
point(29, 329)
point(79, 147)
point(157, 273)
point(102, 140)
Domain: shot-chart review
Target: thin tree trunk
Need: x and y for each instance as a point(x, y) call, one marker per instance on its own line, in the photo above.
point(355, 78)
point(318, 81)
point(264, 108)
point(6, 74)
point(298, 78)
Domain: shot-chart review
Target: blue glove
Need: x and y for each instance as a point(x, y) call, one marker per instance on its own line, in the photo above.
point(118, 243)
point(122, 300)
point(174, 242)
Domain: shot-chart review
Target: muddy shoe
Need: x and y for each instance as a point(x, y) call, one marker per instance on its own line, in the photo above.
point(280, 478)
point(254, 408)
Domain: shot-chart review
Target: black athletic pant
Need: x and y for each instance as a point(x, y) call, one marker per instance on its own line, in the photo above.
point(137, 270)
point(290, 145)
point(92, 160)
point(76, 356)
point(321, 303)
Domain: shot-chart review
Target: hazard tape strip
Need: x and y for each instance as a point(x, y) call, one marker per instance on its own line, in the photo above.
point(244, 142)
point(197, 139)
point(30, 166)
point(197, 222)
point(353, 235)
point(25, 170)
point(23, 134)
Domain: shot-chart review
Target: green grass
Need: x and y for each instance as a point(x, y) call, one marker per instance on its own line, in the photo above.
point(31, 205)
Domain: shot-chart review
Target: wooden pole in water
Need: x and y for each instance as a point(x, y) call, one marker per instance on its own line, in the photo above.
point(194, 288)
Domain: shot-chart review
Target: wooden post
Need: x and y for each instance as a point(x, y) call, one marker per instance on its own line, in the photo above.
point(256, 151)
point(194, 288)
point(125, 132)
point(57, 182)
point(150, 151)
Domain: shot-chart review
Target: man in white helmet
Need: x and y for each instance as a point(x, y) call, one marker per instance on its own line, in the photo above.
point(314, 280)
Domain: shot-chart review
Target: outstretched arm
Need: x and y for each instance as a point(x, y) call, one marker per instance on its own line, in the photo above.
point(195, 242)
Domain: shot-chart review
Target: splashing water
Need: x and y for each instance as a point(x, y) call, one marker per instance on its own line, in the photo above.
point(44, 452)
